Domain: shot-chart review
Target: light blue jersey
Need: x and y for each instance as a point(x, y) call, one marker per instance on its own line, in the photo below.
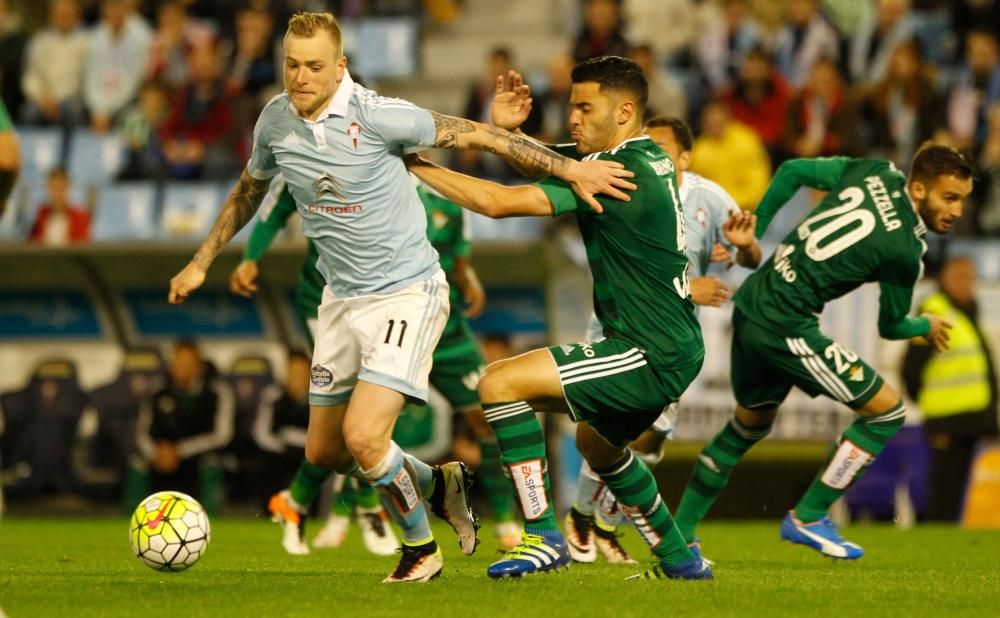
point(346, 173)
point(707, 206)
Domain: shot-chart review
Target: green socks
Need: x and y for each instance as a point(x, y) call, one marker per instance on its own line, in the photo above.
point(633, 484)
point(306, 483)
point(847, 461)
point(522, 451)
point(712, 471)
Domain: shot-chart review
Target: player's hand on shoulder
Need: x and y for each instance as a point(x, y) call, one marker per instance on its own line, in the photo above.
point(243, 281)
point(709, 291)
point(185, 282)
point(740, 228)
point(600, 177)
point(511, 101)
point(938, 337)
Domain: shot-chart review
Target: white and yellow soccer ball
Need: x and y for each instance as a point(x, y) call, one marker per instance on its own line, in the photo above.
point(169, 531)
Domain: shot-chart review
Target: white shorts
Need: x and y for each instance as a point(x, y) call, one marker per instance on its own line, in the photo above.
point(384, 339)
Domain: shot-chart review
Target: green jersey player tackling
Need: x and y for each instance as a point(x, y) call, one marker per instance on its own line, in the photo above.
point(614, 389)
point(870, 227)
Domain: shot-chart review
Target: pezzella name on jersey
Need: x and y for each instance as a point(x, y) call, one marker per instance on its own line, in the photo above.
point(883, 202)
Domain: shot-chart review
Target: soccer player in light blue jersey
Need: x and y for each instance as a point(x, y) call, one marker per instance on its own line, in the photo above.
point(339, 146)
point(715, 227)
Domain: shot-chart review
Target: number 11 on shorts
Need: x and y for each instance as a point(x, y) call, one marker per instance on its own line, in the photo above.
point(402, 332)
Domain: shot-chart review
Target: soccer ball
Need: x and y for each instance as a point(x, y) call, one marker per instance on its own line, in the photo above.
point(169, 531)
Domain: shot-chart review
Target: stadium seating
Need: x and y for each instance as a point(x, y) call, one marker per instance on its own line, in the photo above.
point(127, 212)
point(189, 210)
point(94, 160)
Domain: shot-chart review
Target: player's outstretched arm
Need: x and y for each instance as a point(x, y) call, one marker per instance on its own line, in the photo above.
point(240, 206)
point(487, 198)
point(739, 231)
point(793, 174)
point(243, 280)
point(588, 179)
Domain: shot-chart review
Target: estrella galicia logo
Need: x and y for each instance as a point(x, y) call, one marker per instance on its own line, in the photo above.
point(327, 185)
point(321, 376)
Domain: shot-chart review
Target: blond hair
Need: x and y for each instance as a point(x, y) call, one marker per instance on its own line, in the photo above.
point(306, 25)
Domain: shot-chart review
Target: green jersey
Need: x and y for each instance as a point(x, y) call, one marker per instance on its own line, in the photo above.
point(5, 121)
point(636, 255)
point(273, 215)
point(865, 229)
point(446, 232)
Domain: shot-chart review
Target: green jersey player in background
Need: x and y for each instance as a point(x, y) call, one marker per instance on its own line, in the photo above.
point(715, 227)
point(455, 373)
point(614, 389)
point(869, 228)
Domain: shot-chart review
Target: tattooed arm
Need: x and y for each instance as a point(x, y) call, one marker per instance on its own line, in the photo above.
point(533, 159)
point(240, 206)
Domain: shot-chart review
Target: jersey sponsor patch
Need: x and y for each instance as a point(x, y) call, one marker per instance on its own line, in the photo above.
point(321, 377)
point(529, 480)
point(845, 465)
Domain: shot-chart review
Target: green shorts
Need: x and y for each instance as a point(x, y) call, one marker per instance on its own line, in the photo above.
point(766, 365)
point(458, 364)
point(610, 385)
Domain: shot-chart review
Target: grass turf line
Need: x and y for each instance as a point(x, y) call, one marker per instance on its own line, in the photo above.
point(62, 567)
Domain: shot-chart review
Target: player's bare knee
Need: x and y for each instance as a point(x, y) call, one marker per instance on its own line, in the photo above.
point(326, 455)
point(757, 419)
point(885, 400)
point(366, 447)
point(495, 385)
point(598, 452)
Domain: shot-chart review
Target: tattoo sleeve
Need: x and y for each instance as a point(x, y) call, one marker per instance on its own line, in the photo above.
point(529, 157)
point(240, 206)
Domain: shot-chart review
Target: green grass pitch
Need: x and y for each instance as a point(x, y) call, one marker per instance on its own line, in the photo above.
point(70, 567)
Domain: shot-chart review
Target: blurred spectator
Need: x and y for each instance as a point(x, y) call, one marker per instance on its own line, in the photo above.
point(550, 107)
point(10, 157)
point(666, 97)
point(875, 40)
point(968, 15)
point(13, 42)
point(904, 109)
point(760, 100)
point(249, 377)
point(847, 16)
point(645, 21)
point(197, 135)
point(477, 107)
point(252, 66)
point(602, 33)
point(976, 89)
point(988, 210)
point(955, 390)
point(54, 90)
point(111, 449)
point(279, 429)
point(139, 128)
point(116, 62)
point(38, 429)
point(731, 154)
point(181, 429)
point(58, 221)
point(175, 35)
point(724, 44)
point(820, 118)
point(805, 39)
